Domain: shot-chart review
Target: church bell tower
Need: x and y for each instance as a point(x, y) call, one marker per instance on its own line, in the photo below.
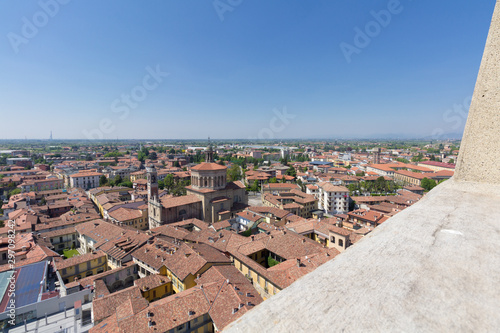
point(154, 206)
point(210, 153)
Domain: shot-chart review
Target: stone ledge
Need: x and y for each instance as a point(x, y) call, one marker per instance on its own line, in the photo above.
point(433, 267)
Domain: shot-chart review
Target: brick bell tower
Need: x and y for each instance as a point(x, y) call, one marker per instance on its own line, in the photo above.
point(154, 205)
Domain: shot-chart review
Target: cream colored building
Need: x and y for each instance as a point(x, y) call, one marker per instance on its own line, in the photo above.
point(220, 199)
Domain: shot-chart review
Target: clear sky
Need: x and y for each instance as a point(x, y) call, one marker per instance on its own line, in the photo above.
point(238, 68)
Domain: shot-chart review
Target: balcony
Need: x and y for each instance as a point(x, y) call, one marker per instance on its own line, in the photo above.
point(434, 267)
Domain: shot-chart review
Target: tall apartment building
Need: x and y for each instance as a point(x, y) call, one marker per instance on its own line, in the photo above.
point(333, 199)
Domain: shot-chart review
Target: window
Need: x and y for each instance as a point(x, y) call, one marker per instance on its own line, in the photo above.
point(341, 242)
point(332, 239)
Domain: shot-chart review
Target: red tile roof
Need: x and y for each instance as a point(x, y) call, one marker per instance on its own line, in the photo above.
point(208, 167)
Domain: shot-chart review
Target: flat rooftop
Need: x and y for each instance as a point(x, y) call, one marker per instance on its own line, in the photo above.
point(30, 281)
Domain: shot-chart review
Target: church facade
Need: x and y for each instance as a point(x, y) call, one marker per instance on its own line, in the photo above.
point(220, 199)
point(210, 197)
point(169, 209)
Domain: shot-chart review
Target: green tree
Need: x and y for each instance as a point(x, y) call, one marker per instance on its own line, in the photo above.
point(118, 179)
point(380, 184)
point(126, 183)
point(417, 158)
point(302, 186)
point(178, 190)
point(14, 192)
point(273, 180)
point(271, 262)
point(428, 184)
point(113, 154)
point(291, 172)
point(452, 161)
point(103, 180)
point(143, 154)
point(255, 186)
point(234, 173)
point(153, 156)
point(169, 182)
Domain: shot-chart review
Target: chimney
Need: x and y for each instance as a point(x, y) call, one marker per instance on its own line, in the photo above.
point(298, 262)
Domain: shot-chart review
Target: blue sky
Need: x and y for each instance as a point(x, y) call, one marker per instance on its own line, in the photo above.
point(238, 68)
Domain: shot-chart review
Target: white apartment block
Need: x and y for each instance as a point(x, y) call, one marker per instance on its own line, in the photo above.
point(85, 180)
point(333, 199)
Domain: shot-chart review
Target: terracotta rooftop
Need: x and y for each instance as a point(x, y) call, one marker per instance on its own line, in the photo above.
point(208, 167)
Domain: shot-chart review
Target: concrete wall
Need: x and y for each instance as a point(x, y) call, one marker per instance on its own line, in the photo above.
point(478, 158)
